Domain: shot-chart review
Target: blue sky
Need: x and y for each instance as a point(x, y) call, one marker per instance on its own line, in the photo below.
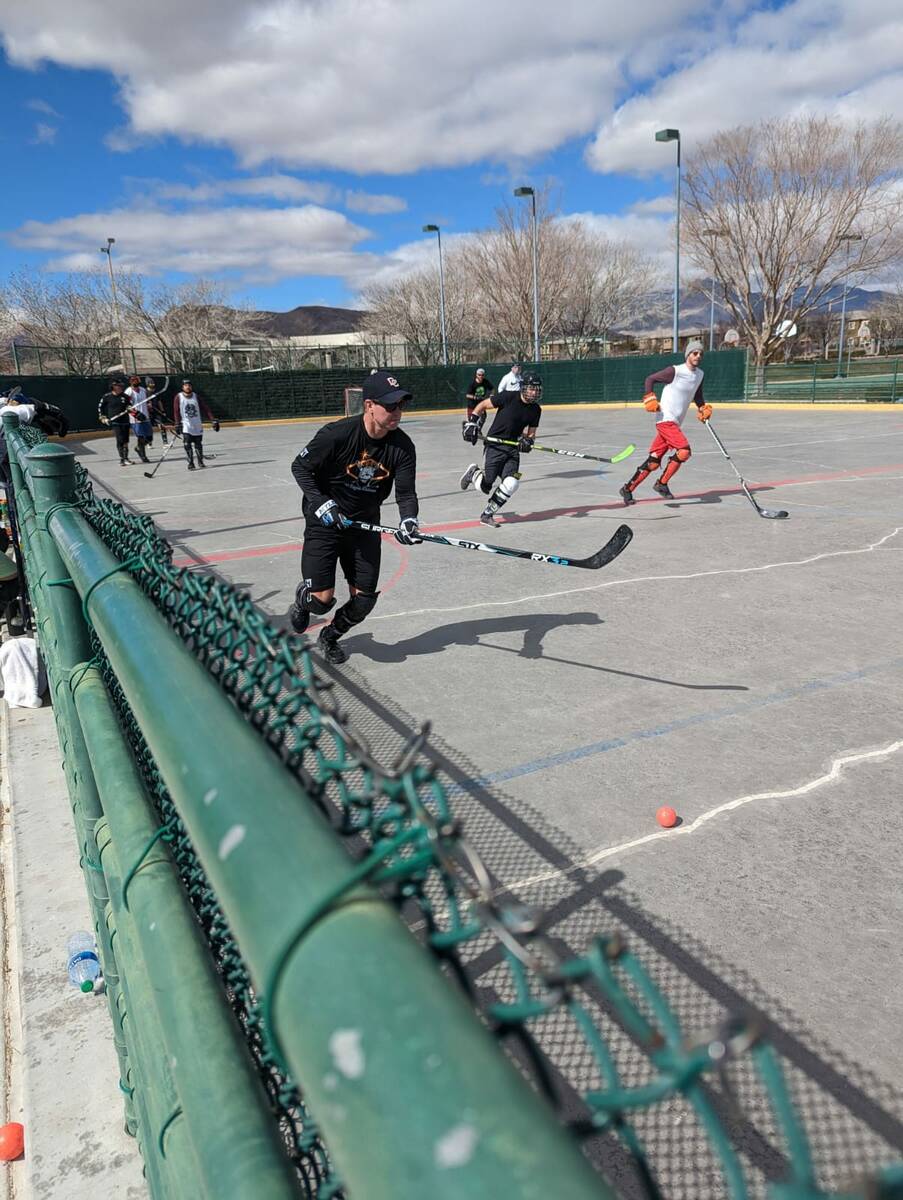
point(293, 150)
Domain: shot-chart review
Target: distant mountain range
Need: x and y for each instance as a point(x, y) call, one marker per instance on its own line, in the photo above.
point(694, 308)
point(309, 320)
point(312, 320)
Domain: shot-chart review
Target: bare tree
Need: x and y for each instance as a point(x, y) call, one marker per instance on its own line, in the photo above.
point(786, 211)
point(187, 322)
point(408, 308)
point(886, 319)
point(606, 285)
point(72, 317)
point(589, 286)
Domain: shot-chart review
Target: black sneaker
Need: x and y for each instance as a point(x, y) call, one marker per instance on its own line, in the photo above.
point(663, 490)
point(328, 644)
point(626, 495)
point(488, 518)
point(191, 466)
point(299, 618)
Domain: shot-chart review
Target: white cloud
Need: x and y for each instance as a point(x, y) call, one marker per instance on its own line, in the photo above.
point(44, 134)
point(276, 187)
point(251, 243)
point(368, 202)
point(806, 56)
point(658, 204)
point(42, 106)
point(389, 87)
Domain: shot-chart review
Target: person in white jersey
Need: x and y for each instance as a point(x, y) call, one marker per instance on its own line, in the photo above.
point(683, 383)
point(189, 410)
point(512, 381)
point(139, 415)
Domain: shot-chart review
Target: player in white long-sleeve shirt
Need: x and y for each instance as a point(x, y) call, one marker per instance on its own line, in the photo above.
point(683, 384)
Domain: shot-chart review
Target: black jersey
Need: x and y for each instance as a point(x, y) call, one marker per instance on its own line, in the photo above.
point(115, 408)
point(343, 463)
point(513, 416)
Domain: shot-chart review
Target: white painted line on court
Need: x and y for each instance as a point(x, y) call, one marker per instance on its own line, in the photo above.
point(597, 856)
point(610, 583)
point(202, 495)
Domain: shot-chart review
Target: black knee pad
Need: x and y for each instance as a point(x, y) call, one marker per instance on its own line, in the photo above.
point(307, 605)
point(651, 464)
point(354, 611)
point(304, 598)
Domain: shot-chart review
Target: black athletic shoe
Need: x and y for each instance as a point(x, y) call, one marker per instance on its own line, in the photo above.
point(328, 644)
point(202, 465)
point(627, 495)
point(191, 466)
point(489, 519)
point(298, 618)
point(663, 490)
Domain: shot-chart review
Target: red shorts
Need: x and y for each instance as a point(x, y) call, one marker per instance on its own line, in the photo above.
point(668, 436)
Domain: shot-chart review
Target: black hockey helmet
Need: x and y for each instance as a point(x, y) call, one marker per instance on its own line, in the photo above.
point(534, 381)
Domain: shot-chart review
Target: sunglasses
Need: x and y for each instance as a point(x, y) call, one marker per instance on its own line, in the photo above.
point(391, 405)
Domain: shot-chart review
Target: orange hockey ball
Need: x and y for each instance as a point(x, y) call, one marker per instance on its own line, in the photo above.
point(12, 1141)
point(666, 817)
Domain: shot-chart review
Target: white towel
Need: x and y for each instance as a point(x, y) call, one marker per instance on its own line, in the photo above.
point(24, 680)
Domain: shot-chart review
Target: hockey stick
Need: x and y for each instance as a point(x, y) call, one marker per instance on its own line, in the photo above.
point(619, 457)
point(773, 514)
point(176, 436)
point(619, 541)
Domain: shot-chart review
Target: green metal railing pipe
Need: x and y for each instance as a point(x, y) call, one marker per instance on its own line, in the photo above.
point(235, 1139)
point(375, 1035)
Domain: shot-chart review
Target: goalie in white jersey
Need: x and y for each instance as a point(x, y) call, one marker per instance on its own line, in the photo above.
point(683, 383)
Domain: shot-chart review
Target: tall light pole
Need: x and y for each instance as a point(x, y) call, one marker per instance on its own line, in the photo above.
point(108, 251)
point(528, 191)
point(713, 233)
point(673, 135)
point(845, 237)
point(435, 229)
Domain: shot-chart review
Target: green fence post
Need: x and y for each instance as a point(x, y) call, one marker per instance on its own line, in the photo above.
point(15, 350)
point(893, 386)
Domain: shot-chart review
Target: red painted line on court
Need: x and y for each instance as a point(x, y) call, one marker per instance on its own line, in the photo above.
point(545, 514)
point(291, 547)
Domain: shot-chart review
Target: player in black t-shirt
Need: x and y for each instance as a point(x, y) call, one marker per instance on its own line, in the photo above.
point(113, 409)
point(480, 389)
point(345, 473)
point(516, 419)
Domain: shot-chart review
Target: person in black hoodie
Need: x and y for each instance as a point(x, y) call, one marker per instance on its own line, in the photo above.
point(114, 410)
point(345, 473)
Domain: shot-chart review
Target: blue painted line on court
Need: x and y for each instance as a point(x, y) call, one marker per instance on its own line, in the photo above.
point(706, 718)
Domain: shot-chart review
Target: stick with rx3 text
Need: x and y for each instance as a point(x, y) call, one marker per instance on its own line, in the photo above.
point(618, 542)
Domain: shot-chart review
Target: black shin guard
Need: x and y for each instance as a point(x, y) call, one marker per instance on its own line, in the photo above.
point(651, 464)
point(307, 605)
point(353, 612)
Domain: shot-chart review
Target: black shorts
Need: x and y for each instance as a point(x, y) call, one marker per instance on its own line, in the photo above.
point(356, 550)
point(498, 462)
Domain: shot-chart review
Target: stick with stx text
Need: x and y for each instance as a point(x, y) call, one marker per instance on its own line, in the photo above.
point(619, 541)
point(619, 457)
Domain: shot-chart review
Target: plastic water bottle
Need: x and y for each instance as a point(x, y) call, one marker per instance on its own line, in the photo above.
point(84, 966)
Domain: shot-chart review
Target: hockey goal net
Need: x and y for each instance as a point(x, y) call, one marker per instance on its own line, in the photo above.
point(354, 401)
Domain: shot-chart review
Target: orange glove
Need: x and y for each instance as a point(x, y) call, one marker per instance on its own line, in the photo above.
point(650, 402)
point(704, 411)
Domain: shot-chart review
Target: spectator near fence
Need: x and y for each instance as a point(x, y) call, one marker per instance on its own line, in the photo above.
point(481, 388)
point(511, 382)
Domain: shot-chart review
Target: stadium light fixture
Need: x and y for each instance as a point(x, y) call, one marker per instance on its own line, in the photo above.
point(438, 232)
point(673, 135)
point(523, 192)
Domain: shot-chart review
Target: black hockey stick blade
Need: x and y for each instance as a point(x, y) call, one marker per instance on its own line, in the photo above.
point(772, 514)
point(616, 544)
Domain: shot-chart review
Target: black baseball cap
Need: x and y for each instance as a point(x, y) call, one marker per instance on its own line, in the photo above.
point(383, 388)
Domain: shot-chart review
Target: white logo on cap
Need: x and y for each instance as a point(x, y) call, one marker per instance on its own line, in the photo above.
point(392, 380)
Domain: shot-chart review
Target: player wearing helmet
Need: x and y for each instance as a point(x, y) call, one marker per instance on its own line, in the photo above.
point(516, 419)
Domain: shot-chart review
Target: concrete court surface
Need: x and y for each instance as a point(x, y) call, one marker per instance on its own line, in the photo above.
point(745, 671)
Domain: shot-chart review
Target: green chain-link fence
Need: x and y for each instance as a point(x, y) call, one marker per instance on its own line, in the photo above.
point(825, 381)
point(248, 854)
point(275, 395)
